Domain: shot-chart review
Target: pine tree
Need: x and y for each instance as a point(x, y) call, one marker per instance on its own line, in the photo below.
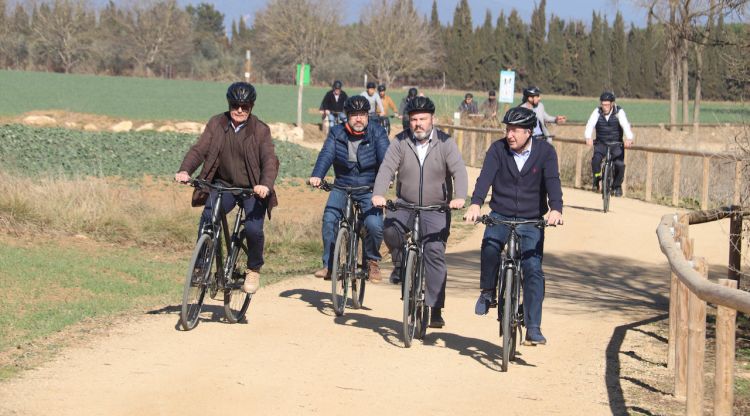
point(460, 47)
point(537, 57)
point(515, 55)
point(618, 55)
point(635, 49)
point(488, 61)
point(434, 19)
point(556, 66)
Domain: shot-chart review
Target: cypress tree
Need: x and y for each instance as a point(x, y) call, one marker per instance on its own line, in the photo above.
point(515, 55)
point(460, 49)
point(555, 63)
point(537, 58)
point(618, 55)
point(434, 19)
point(488, 60)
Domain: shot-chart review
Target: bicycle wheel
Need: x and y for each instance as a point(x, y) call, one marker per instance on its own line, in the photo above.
point(517, 315)
point(196, 282)
point(340, 271)
point(235, 300)
point(507, 328)
point(360, 275)
point(423, 312)
point(606, 186)
point(410, 298)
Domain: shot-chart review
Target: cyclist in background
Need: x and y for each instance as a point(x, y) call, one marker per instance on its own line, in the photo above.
point(376, 104)
point(387, 102)
point(532, 101)
point(355, 150)
point(429, 164)
point(332, 106)
point(525, 181)
point(489, 107)
point(402, 107)
point(236, 148)
point(610, 123)
point(468, 106)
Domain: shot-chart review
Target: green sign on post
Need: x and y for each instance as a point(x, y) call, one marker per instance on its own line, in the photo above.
point(305, 74)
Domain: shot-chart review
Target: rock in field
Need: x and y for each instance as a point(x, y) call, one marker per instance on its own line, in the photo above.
point(39, 121)
point(122, 126)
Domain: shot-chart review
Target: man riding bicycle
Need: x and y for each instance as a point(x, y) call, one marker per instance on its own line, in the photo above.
point(236, 148)
point(413, 92)
point(532, 101)
point(525, 181)
point(356, 150)
point(387, 101)
point(332, 106)
point(429, 164)
point(376, 104)
point(610, 123)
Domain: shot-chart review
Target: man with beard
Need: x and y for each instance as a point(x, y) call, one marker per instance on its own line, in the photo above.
point(429, 164)
point(355, 149)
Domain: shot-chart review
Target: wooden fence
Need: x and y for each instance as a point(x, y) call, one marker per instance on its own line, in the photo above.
point(474, 142)
point(690, 290)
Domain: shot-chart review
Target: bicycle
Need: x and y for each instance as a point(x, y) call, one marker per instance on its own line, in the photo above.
point(209, 270)
point(608, 175)
point(510, 282)
point(383, 121)
point(547, 137)
point(335, 118)
point(349, 264)
point(416, 313)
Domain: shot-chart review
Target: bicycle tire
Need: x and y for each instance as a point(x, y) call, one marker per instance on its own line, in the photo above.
point(360, 275)
point(410, 299)
point(236, 301)
point(515, 330)
point(606, 183)
point(423, 312)
point(340, 271)
point(196, 282)
point(507, 328)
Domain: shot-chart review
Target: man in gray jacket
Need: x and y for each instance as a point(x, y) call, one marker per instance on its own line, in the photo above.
point(532, 101)
point(429, 165)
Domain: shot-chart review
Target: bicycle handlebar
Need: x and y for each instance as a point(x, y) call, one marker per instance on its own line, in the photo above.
point(610, 144)
point(395, 205)
point(201, 183)
point(490, 220)
point(543, 136)
point(325, 186)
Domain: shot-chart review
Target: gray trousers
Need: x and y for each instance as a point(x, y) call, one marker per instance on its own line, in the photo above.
point(435, 228)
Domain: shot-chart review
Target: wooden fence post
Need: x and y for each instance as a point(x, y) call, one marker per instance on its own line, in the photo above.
point(460, 141)
point(673, 301)
point(681, 336)
point(737, 183)
point(579, 165)
point(625, 176)
point(649, 175)
point(696, 346)
point(704, 193)
point(676, 168)
point(487, 141)
point(725, 337)
point(473, 149)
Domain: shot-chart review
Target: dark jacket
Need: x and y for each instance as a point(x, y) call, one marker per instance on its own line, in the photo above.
point(335, 152)
point(609, 131)
point(524, 194)
point(329, 102)
point(261, 161)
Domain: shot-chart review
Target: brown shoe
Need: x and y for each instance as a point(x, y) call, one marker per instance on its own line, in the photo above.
point(252, 281)
point(323, 273)
point(374, 271)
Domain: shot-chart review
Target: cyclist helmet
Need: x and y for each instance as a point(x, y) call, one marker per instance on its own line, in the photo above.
point(531, 91)
point(412, 92)
point(521, 117)
point(420, 105)
point(241, 93)
point(381, 87)
point(370, 85)
point(336, 85)
point(356, 104)
point(607, 96)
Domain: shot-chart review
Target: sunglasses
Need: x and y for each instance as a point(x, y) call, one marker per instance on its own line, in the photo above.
point(243, 107)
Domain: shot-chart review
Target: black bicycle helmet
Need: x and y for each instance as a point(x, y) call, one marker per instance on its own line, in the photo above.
point(420, 105)
point(521, 117)
point(381, 87)
point(412, 92)
point(531, 91)
point(336, 85)
point(370, 85)
point(607, 96)
point(356, 104)
point(241, 93)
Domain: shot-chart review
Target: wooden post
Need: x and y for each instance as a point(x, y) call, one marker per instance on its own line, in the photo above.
point(676, 168)
point(696, 346)
point(704, 193)
point(460, 141)
point(300, 80)
point(674, 299)
point(726, 319)
point(737, 183)
point(681, 335)
point(579, 166)
point(625, 176)
point(649, 175)
point(735, 246)
point(487, 141)
point(473, 149)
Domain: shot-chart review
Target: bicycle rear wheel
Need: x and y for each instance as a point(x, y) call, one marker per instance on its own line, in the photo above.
point(508, 329)
point(196, 282)
point(606, 186)
point(236, 301)
point(410, 294)
point(340, 271)
point(360, 275)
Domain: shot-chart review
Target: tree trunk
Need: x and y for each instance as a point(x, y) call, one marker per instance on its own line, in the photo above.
point(685, 82)
point(672, 52)
point(698, 79)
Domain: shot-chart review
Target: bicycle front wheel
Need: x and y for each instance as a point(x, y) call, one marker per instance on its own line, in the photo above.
point(236, 301)
point(340, 275)
point(360, 275)
point(507, 328)
point(606, 186)
point(411, 299)
point(196, 282)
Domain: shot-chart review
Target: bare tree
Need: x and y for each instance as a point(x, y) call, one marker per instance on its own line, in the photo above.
point(62, 33)
point(395, 41)
point(295, 31)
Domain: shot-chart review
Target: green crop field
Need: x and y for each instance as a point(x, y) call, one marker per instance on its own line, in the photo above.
point(159, 99)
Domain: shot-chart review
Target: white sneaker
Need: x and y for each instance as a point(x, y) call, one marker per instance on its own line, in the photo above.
point(252, 281)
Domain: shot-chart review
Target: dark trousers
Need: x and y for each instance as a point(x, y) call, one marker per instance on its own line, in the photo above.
point(532, 251)
point(618, 162)
point(434, 229)
point(255, 212)
point(371, 217)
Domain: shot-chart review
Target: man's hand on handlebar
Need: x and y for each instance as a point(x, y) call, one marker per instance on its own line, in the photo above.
point(314, 182)
point(261, 190)
point(457, 203)
point(589, 142)
point(628, 143)
point(182, 177)
point(554, 218)
point(378, 201)
point(472, 213)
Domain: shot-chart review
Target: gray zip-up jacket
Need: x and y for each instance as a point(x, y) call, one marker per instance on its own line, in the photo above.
point(432, 183)
point(541, 116)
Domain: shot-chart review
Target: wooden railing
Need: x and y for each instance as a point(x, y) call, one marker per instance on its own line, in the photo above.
point(474, 142)
point(690, 290)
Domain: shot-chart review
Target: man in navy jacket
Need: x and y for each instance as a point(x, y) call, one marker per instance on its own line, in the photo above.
point(356, 150)
point(525, 181)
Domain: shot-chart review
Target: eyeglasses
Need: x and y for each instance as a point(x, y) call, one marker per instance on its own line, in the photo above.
point(242, 107)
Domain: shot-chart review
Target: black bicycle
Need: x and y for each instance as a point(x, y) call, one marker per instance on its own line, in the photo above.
point(210, 271)
point(510, 282)
point(349, 269)
point(336, 118)
point(608, 175)
point(416, 313)
point(384, 121)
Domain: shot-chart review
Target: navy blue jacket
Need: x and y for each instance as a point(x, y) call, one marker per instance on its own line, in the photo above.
point(522, 194)
point(335, 152)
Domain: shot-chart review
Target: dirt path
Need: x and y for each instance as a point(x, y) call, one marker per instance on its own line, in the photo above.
point(295, 357)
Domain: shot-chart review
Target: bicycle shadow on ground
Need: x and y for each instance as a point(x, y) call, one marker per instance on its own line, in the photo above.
point(318, 300)
point(209, 313)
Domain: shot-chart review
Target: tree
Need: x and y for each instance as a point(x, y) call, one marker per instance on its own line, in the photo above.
point(558, 66)
point(538, 61)
point(515, 55)
point(62, 34)
point(460, 47)
point(618, 52)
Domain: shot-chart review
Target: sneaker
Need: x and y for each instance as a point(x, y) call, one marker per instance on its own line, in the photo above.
point(595, 185)
point(375, 277)
point(534, 337)
point(617, 192)
point(323, 273)
point(436, 318)
point(252, 281)
point(484, 302)
point(395, 276)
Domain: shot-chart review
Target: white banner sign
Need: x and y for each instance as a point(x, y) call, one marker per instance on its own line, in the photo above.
point(507, 81)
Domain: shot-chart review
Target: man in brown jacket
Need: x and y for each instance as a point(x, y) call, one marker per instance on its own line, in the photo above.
point(236, 148)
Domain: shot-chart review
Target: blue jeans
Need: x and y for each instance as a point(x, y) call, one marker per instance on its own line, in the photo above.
point(371, 216)
point(532, 251)
point(255, 212)
point(332, 118)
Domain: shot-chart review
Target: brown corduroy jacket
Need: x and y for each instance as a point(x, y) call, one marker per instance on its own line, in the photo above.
point(261, 161)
